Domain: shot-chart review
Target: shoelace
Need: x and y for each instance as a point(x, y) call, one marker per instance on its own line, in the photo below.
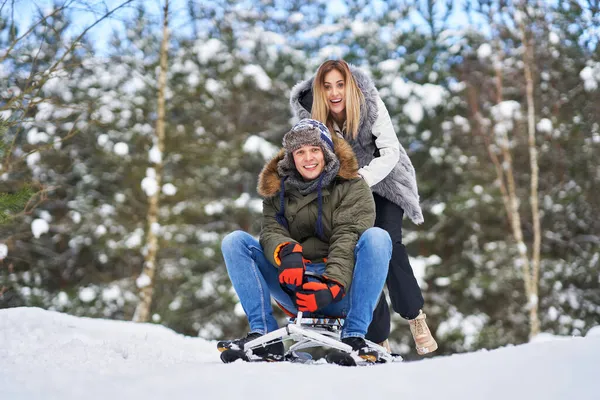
point(419, 327)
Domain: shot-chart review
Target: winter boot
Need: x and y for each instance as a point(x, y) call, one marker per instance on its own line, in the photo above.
point(359, 345)
point(425, 343)
point(273, 351)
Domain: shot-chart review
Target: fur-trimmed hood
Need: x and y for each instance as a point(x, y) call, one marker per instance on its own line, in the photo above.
point(269, 180)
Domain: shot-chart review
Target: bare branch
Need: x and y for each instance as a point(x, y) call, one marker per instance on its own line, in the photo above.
point(48, 73)
point(31, 29)
point(2, 6)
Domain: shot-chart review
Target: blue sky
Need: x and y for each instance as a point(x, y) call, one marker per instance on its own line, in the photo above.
point(25, 12)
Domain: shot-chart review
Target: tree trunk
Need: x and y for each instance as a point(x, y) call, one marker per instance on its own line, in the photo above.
point(505, 174)
point(146, 280)
point(533, 198)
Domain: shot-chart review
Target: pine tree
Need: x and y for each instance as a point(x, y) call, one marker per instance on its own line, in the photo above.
point(11, 203)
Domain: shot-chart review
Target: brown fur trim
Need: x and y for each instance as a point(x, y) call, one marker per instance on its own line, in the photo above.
point(269, 181)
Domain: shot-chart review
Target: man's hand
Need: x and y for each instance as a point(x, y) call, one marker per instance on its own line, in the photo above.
point(291, 270)
point(316, 295)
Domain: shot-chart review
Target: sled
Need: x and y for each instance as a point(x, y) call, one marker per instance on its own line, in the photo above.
point(310, 333)
point(314, 331)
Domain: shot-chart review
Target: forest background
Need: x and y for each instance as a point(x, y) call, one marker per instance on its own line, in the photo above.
point(128, 153)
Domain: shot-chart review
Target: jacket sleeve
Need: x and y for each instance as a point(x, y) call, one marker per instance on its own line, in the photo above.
point(354, 215)
point(388, 145)
point(272, 233)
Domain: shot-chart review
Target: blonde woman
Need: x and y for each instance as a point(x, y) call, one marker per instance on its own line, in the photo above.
point(345, 99)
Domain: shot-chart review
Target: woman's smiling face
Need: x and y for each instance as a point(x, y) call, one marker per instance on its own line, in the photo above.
point(335, 89)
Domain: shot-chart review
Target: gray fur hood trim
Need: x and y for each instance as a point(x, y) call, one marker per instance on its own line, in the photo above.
point(400, 186)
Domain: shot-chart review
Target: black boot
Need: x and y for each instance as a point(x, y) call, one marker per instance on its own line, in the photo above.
point(359, 345)
point(273, 351)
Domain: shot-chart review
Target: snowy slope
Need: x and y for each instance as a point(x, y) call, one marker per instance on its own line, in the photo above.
point(48, 355)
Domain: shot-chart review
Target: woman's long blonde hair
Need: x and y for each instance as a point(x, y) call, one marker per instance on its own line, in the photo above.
point(353, 97)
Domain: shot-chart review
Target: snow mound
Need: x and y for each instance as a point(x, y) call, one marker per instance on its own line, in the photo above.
point(49, 355)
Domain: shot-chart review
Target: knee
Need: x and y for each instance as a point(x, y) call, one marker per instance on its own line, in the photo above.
point(377, 239)
point(233, 240)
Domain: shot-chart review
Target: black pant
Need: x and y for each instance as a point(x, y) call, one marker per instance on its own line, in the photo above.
point(405, 293)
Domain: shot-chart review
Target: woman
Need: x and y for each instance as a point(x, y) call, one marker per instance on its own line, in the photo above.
point(346, 100)
point(318, 216)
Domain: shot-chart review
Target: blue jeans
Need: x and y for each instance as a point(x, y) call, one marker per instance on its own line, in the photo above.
point(255, 281)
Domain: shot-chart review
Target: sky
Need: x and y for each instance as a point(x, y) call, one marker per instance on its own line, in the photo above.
point(26, 12)
point(49, 355)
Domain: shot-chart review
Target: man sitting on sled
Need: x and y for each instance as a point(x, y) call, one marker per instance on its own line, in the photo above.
point(318, 217)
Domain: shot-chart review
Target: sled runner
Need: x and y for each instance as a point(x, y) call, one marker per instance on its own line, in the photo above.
point(309, 333)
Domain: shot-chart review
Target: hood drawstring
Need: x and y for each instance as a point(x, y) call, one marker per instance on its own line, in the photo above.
point(319, 225)
point(280, 216)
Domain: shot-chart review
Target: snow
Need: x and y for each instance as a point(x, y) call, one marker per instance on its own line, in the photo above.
point(149, 185)
point(590, 76)
point(212, 86)
point(443, 281)
point(121, 149)
point(438, 209)
point(506, 110)
point(39, 226)
point(35, 137)
point(484, 51)
point(100, 230)
point(263, 82)
point(155, 228)
point(155, 155)
point(75, 216)
point(294, 18)
point(45, 215)
point(390, 66)
point(49, 355)
point(143, 280)
point(112, 293)
point(102, 139)
point(419, 266)
point(33, 159)
point(87, 295)
point(214, 207)
point(400, 88)
point(256, 144)
point(135, 239)
point(169, 189)
point(3, 251)
point(322, 30)
point(595, 331)
point(414, 111)
point(61, 300)
point(544, 125)
point(470, 326)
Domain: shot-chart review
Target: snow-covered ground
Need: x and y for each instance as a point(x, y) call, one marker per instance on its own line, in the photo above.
point(48, 355)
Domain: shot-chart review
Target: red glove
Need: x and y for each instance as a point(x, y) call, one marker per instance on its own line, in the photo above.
point(316, 295)
point(291, 270)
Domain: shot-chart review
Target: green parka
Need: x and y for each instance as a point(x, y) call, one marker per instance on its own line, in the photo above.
point(348, 210)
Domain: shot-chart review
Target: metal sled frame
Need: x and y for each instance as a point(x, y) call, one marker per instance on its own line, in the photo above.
point(312, 332)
